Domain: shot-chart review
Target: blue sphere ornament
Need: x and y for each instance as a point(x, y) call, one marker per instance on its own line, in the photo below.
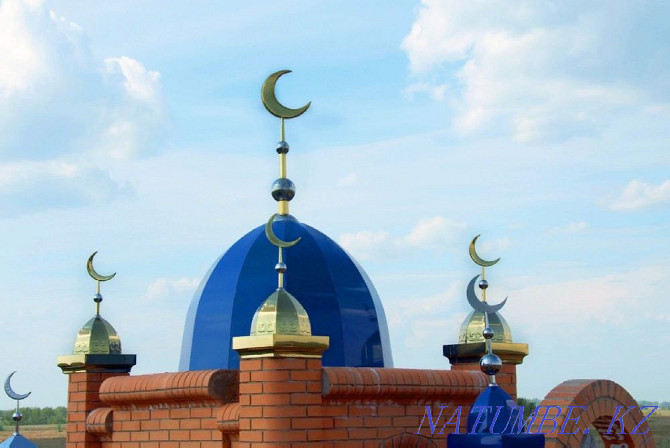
point(338, 296)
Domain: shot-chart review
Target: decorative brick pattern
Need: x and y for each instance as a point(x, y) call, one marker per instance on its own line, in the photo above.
point(99, 421)
point(400, 385)
point(600, 398)
point(170, 389)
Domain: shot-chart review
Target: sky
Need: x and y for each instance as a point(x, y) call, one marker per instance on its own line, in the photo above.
point(136, 129)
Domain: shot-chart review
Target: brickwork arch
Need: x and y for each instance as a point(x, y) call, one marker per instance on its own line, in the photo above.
point(601, 399)
point(407, 440)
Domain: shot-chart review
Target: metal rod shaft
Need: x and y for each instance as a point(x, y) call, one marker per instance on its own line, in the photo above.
point(280, 279)
point(18, 414)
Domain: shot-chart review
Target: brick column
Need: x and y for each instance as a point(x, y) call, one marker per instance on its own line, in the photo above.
point(280, 376)
point(279, 402)
point(82, 398)
point(86, 374)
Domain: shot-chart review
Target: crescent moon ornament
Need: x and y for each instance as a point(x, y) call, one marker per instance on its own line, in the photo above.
point(270, 234)
point(477, 304)
point(271, 102)
point(477, 259)
point(95, 275)
point(10, 392)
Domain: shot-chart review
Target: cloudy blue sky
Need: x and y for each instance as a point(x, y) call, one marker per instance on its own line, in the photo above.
point(136, 129)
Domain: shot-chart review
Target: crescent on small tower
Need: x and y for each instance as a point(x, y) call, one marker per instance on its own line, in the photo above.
point(270, 234)
point(95, 275)
point(477, 259)
point(477, 304)
point(10, 392)
point(271, 102)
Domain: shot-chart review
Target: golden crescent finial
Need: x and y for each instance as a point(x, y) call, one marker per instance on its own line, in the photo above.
point(94, 275)
point(272, 104)
point(270, 234)
point(477, 259)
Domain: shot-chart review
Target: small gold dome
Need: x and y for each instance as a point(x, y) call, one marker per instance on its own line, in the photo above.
point(281, 313)
point(97, 336)
point(473, 326)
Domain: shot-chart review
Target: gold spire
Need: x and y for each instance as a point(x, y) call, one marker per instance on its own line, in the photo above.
point(484, 331)
point(97, 336)
point(98, 345)
point(280, 326)
point(283, 189)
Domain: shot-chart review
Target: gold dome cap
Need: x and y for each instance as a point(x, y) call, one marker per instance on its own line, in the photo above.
point(281, 313)
point(97, 337)
point(473, 326)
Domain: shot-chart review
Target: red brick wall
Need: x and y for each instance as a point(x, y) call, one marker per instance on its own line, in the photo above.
point(169, 410)
point(281, 402)
point(294, 402)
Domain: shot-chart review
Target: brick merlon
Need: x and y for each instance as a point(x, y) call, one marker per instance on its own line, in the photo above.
point(99, 421)
point(380, 384)
point(197, 386)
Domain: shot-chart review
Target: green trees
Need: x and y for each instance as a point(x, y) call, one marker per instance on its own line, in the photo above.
point(36, 416)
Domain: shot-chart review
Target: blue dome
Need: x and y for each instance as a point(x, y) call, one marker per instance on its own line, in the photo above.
point(339, 297)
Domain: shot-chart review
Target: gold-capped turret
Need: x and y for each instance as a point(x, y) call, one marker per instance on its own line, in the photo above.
point(281, 313)
point(280, 328)
point(97, 346)
point(97, 336)
point(484, 337)
point(474, 324)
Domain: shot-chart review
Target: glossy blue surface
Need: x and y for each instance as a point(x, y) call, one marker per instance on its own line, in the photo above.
point(493, 404)
point(341, 301)
point(494, 407)
point(17, 441)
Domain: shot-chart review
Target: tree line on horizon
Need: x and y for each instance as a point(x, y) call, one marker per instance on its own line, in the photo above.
point(35, 416)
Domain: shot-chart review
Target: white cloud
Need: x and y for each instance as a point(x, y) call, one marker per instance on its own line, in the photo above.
point(613, 299)
point(436, 234)
point(436, 92)
point(348, 180)
point(638, 194)
point(23, 60)
point(493, 246)
point(63, 110)
point(28, 186)
point(364, 245)
point(139, 82)
point(433, 233)
point(166, 289)
point(537, 70)
point(573, 227)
